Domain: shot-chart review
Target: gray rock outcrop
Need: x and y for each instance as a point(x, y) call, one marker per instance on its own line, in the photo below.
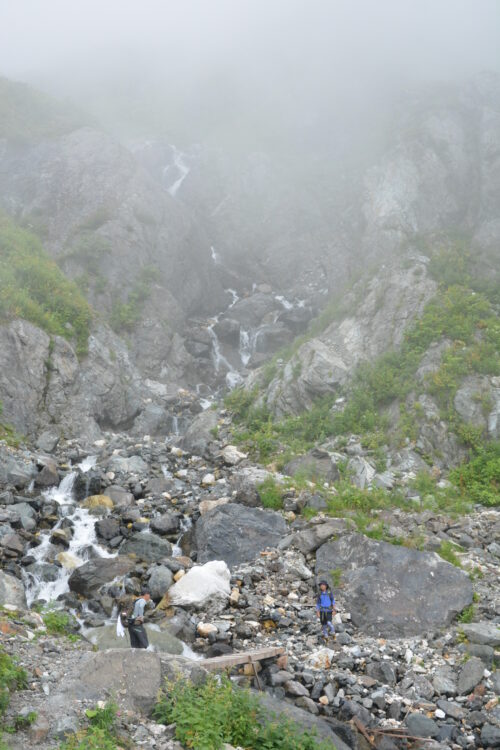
point(392, 590)
point(236, 533)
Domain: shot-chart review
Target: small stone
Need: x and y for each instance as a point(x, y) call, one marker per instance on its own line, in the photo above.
point(205, 629)
point(421, 726)
point(296, 688)
point(232, 456)
point(470, 675)
point(208, 480)
point(439, 714)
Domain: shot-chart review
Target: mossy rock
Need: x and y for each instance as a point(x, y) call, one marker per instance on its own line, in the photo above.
point(98, 501)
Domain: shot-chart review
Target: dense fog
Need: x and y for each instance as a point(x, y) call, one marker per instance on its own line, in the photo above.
point(229, 70)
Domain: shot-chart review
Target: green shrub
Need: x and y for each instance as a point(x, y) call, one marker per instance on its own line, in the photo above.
point(448, 550)
point(208, 715)
point(12, 678)
point(99, 735)
point(56, 622)
point(92, 738)
point(33, 287)
point(271, 494)
point(467, 614)
point(479, 479)
point(103, 718)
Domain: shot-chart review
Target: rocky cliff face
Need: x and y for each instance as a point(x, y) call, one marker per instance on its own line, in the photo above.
point(380, 313)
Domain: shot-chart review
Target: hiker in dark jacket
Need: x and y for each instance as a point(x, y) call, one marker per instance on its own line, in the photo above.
point(325, 607)
point(136, 629)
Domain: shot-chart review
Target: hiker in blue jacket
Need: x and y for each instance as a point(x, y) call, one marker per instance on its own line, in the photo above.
point(325, 607)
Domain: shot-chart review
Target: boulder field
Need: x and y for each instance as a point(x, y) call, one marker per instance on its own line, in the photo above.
point(417, 640)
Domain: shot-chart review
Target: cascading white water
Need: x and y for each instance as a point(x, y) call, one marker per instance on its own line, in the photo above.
point(233, 377)
point(234, 295)
point(182, 170)
point(87, 464)
point(247, 345)
point(82, 546)
point(214, 255)
point(175, 424)
point(282, 300)
point(186, 524)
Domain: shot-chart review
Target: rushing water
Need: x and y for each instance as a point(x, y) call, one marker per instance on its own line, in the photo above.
point(82, 547)
point(181, 169)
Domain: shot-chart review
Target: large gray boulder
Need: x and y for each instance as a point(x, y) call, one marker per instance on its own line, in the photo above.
point(105, 637)
point(146, 546)
point(133, 677)
point(93, 574)
point(11, 591)
point(16, 467)
point(236, 533)
point(391, 590)
point(199, 437)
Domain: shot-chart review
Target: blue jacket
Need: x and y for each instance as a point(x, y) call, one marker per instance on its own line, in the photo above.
point(325, 601)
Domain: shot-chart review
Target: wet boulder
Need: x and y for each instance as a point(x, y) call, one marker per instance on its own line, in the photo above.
point(93, 574)
point(160, 580)
point(167, 523)
point(107, 528)
point(236, 533)
point(86, 484)
point(228, 330)
point(392, 590)
point(146, 546)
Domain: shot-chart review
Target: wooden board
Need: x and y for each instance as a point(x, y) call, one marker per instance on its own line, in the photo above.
point(232, 660)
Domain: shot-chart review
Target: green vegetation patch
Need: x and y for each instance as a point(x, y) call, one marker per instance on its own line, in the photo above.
point(458, 314)
point(271, 493)
point(208, 715)
point(448, 551)
point(100, 734)
point(12, 678)
point(33, 287)
point(479, 479)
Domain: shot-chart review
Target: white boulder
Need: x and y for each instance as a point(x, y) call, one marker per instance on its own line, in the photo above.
point(200, 584)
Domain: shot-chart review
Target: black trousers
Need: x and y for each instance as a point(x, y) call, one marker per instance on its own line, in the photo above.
point(138, 636)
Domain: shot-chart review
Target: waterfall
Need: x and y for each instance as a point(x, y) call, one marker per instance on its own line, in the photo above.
point(247, 345)
point(186, 524)
point(234, 296)
point(214, 255)
point(233, 377)
point(82, 546)
point(286, 304)
point(182, 170)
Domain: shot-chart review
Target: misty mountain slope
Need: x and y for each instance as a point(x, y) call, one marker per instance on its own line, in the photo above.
point(133, 249)
point(27, 115)
point(442, 171)
point(414, 362)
